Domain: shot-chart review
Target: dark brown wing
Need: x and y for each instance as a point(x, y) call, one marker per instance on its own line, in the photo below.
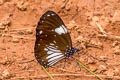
point(52, 39)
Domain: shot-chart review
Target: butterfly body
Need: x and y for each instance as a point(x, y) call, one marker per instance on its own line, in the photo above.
point(53, 42)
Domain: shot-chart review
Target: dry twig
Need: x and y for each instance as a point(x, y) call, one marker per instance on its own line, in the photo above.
point(100, 28)
point(26, 61)
point(106, 35)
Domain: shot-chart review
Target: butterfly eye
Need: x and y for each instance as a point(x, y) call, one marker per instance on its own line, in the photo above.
point(53, 42)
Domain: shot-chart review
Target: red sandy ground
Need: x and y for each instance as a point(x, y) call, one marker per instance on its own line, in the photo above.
point(93, 24)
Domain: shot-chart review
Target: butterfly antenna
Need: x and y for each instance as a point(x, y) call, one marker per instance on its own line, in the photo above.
point(51, 77)
point(87, 69)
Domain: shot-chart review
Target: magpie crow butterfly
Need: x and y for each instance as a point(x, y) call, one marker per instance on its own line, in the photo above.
point(53, 42)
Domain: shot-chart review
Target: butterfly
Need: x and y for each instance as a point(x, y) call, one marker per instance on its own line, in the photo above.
point(53, 42)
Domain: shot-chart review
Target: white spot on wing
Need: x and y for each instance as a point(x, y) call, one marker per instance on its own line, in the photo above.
point(55, 35)
point(52, 14)
point(55, 61)
point(51, 44)
point(50, 52)
point(45, 49)
point(53, 55)
point(55, 58)
point(61, 30)
point(48, 14)
point(53, 49)
point(52, 30)
point(41, 32)
point(54, 41)
point(38, 44)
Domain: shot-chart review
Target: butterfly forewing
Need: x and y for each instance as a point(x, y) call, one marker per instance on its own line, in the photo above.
point(52, 39)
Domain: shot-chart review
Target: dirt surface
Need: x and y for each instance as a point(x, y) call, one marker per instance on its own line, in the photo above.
point(94, 25)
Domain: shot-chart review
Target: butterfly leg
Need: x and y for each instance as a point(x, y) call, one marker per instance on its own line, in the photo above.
point(64, 63)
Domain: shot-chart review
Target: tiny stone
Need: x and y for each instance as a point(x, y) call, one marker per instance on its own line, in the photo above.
point(116, 71)
point(115, 43)
point(63, 0)
point(20, 33)
point(6, 21)
point(1, 2)
point(13, 51)
point(15, 40)
point(21, 6)
point(5, 74)
point(93, 68)
point(68, 6)
point(117, 50)
point(91, 61)
point(15, 45)
point(95, 19)
point(29, 31)
point(101, 68)
point(95, 44)
point(62, 6)
point(3, 48)
point(103, 58)
point(2, 27)
point(72, 24)
point(110, 72)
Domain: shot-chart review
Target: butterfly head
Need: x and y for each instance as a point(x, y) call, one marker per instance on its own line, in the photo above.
point(70, 52)
point(75, 50)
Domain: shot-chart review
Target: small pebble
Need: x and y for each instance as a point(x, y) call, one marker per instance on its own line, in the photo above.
point(95, 19)
point(13, 51)
point(62, 6)
point(116, 71)
point(91, 61)
point(29, 31)
point(95, 44)
point(15, 40)
point(101, 68)
point(117, 50)
point(22, 6)
point(68, 6)
point(93, 68)
point(72, 24)
point(115, 43)
point(2, 27)
point(110, 72)
point(1, 2)
point(6, 74)
point(3, 48)
point(6, 21)
point(63, 0)
point(103, 58)
point(20, 32)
